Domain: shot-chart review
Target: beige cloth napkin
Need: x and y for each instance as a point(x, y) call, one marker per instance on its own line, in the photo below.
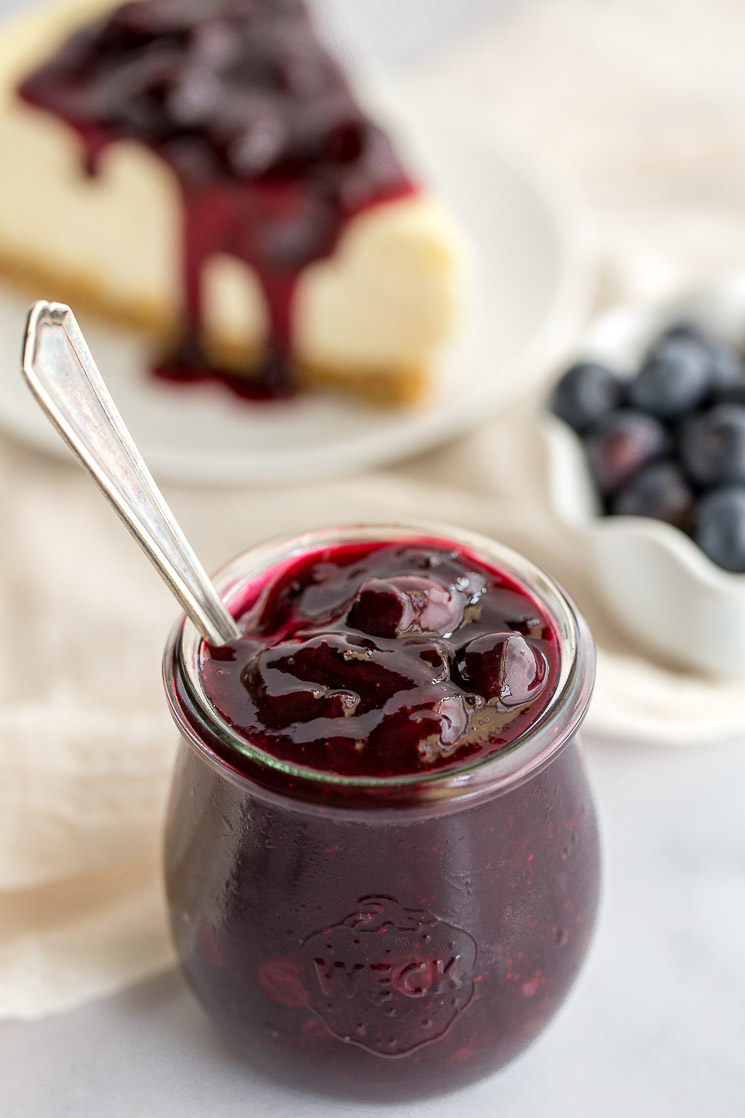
point(86, 743)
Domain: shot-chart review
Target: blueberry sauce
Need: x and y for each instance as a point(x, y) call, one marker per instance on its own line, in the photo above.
point(384, 659)
point(390, 940)
point(272, 154)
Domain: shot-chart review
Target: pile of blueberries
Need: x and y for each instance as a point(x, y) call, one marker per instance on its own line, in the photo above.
point(669, 443)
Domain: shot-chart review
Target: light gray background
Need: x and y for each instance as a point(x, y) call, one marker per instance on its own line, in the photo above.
point(398, 32)
point(385, 31)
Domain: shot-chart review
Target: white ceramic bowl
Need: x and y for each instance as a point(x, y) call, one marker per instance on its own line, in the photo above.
point(655, 581)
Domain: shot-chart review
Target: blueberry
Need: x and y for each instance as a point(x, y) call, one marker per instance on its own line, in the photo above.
point(261, 143)
point(659, 491)
point(725, 363)
point(712, 446)
point(503, 666)
point(585, 394)
point(302, 73)
point(733, 393)
point(345, 141)
point(296, 682)
point(214, 45)
point(621, 445)
point(388, 607)
point(685, 329)
point(379, 609)
point(147, 20)
point(449, 718)
point(719, 528)
point(195, 97)
point(674, 380)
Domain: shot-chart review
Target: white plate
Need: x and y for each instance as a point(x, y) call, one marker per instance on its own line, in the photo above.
point(530, 292)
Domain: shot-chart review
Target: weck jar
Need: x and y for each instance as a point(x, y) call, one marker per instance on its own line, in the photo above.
point(385, 934)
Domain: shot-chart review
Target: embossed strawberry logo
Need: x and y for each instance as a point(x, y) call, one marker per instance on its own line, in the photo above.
point(389, 978)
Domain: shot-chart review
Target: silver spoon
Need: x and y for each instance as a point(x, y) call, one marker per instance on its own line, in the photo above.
point(63, 376)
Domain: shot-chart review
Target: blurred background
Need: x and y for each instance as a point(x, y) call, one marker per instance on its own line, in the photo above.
point(640, 103)
point(400, 34)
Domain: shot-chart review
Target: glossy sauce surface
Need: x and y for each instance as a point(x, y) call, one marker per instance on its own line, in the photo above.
point(384, 659)
point(257, 121)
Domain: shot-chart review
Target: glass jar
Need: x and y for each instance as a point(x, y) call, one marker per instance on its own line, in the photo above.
point(382, 938)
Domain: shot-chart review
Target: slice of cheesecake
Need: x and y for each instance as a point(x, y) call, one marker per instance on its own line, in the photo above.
point(200, 169)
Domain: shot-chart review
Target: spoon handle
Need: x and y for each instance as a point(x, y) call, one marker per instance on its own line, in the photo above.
point(63, 377)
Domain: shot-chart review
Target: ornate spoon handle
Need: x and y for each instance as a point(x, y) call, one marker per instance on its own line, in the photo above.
point(63, 377)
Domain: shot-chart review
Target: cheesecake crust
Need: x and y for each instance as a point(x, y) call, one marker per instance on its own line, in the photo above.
point(389, 386)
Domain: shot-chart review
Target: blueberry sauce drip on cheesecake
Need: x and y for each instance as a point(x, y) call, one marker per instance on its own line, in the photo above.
point(272, 154)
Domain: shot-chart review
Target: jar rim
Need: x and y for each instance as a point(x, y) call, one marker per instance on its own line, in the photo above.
point(530, 752)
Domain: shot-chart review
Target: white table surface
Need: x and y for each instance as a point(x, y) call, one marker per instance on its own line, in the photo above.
point(655, 1027)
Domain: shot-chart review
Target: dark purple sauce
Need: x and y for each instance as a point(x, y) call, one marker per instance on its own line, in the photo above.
point(342, 944)
point(384, 659)
point(259, 125)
